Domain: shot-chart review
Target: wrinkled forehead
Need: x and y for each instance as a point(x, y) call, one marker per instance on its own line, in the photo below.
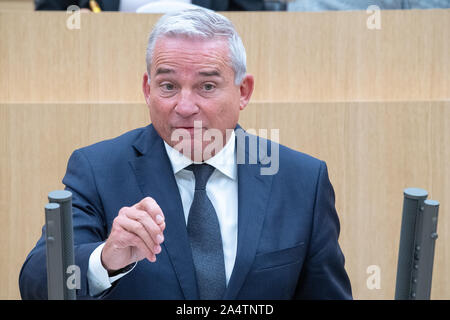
point(219, 43)
point(191, 48)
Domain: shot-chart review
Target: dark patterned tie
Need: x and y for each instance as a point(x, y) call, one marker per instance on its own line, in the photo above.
point(206, 241)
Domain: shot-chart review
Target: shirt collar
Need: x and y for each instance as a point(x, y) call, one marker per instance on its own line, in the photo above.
point(224, 161)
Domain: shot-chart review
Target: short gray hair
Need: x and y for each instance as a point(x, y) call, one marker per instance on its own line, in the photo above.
point(200, 24)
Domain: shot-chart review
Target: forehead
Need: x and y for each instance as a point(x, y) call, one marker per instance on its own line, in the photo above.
point(191, 53)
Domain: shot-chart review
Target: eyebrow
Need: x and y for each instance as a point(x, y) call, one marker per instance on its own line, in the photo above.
point(212, 73)
point(164, 71)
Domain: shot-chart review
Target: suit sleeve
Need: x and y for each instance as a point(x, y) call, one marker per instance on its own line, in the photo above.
point(323, 275)
point(89, 231)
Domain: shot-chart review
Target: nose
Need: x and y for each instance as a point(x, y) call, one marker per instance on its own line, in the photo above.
point(186, 105)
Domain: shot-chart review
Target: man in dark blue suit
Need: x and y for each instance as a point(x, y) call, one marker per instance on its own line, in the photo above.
point(191, 206)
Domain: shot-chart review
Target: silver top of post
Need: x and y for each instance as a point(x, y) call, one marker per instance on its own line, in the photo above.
point(432, 203)
point(59, 195)
point(415, 193)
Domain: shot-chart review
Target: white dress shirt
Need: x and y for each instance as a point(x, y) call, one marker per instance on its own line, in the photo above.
point(222, 190)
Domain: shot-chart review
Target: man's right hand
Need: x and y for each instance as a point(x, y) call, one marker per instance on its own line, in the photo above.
point(136, 233)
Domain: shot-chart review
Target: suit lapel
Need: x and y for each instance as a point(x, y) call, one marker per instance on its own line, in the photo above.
point(155, 177)
point(253, 196)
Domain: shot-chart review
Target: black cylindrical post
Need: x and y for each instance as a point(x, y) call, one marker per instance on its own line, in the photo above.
point(413, 202)
point(64, 199)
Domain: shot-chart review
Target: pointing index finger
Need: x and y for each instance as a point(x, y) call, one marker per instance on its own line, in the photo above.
point(150, 206)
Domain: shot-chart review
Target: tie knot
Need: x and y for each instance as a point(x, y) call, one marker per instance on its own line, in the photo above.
point(202, 172)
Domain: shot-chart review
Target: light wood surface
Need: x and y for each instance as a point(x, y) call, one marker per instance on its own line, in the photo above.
point(373, 151)
point(295, 56)
point(16, 5)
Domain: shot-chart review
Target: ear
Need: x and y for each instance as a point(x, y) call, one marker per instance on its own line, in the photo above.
point(146, 88)
point(246, 90)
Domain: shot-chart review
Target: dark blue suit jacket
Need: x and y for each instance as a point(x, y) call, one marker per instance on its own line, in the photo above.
point(288, 227)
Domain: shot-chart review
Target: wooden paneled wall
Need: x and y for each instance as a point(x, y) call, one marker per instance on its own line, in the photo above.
point(317, 56)
point(17, 5)
point(374, 104)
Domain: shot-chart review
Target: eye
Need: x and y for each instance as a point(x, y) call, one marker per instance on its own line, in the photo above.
point(208, 86)
point(167, 86)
